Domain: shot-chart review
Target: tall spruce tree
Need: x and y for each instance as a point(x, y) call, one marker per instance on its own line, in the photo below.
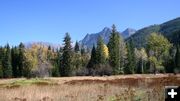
point(76, 48)
point(49, 53)
point(92, 61)
point(100, 54)
point(14, 61)
point(177, 58)
point(7, 68)
point(66, 67)
point(21, 59)
point(114, 54)
point(131, 65)
point(56, 63)
point(83, 51)
point(1, 61)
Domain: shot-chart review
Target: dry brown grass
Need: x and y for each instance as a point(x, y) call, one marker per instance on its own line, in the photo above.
point(112, 88)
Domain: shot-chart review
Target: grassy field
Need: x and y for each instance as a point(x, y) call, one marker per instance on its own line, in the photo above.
point(110, 88)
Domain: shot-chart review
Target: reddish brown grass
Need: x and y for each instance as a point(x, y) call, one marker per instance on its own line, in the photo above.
point(112, 88)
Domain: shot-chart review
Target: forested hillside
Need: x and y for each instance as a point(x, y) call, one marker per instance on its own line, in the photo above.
point(167, 29)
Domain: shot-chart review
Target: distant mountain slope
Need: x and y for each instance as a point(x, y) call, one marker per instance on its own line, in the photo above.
point(170, 27)
point(45, 44)
point(128, 32)
point(175, 37)
point(91, 39)
point(140, 37)
point(166, 29)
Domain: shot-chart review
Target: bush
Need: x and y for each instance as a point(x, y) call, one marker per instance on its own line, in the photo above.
point(103, 69)
point(82, 72)
point(176, 70)
point(160, 69)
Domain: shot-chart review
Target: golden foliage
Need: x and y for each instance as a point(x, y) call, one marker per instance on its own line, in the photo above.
point(106, 51)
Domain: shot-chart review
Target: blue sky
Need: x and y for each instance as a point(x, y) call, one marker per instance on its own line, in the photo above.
point(48, 20)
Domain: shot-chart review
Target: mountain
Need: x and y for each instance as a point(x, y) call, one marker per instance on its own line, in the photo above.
point(128, 32)
point(170, 27)
point(166, 29)
point(140, 37)
point(91, 39)
point(45, 44)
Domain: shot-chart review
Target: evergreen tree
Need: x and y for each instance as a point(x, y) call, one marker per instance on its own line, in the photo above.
point(100, 54)
point(55, 71)
point(14, 61)
point(83, 51)
point(76, 62)
point(7, 68)
point(170, 62)
point(177, 58)
point(49, 47)
point(114, 54)
point(21, 59)
point(131, 65)
point(76, 48)
point(56, 64)
point(92, 61)
point(66, 67)
point(1, 61)
point(49, 53)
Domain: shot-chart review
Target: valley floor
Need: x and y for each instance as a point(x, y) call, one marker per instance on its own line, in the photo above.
point(145, 87)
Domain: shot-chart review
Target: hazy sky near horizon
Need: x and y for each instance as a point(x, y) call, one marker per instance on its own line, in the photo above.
point(49, 20)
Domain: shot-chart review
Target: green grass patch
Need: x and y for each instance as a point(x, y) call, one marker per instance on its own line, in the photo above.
point(25, 82)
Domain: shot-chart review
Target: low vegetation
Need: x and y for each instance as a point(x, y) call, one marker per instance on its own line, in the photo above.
point(111, 88)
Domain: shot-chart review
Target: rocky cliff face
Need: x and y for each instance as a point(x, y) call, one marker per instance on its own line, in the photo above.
point(91, 39)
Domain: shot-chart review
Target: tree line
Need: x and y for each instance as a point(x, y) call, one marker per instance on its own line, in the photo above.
point(116, 57)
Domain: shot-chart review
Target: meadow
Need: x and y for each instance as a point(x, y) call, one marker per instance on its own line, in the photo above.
point(145, 87)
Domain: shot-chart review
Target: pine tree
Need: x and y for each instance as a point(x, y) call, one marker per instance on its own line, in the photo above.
point(7, 68)
point(177, 58)
point(114, 54)
point(100, 54)
point(56, 64)
point(49, 47)
point(131, 65)
point(93, 60)
point(14, 61)
point(49, 53)
point(66, 68)
point(21, 59)
point(55, 71)
point(1, 61)
point(83, 51)
point(76, 48)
